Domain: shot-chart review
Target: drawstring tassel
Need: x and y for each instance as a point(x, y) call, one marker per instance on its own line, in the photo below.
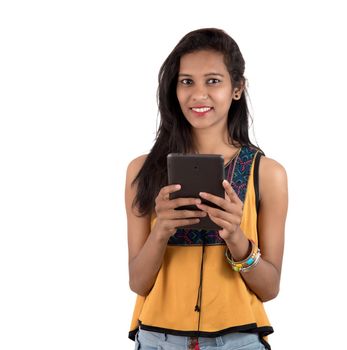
point(198, 301)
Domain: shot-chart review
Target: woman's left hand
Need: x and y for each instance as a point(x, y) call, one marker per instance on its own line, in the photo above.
point(229, 218)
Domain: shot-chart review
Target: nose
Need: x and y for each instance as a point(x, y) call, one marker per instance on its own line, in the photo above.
point(199, 92)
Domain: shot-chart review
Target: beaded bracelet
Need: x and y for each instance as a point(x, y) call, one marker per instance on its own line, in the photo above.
point(246, 264)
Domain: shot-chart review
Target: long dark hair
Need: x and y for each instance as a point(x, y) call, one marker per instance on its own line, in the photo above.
point(174, 132)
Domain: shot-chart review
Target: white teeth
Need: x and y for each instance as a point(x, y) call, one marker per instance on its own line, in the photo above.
point(201, 110)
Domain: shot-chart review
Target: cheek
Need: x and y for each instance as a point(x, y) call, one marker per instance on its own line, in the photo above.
point(226, 98)
point(180, 96)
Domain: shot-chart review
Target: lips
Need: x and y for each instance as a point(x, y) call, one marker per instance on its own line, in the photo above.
point(201, 110)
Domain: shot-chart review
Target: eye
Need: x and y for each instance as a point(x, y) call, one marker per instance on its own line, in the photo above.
point(186, 81)
point(213, 81)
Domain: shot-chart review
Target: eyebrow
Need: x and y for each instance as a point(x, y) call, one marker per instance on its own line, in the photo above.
point(206, 75)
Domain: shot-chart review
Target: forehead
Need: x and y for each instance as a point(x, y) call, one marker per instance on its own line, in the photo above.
point(202, 62)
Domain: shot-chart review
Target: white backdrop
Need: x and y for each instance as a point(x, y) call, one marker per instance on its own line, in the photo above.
point(78, 86)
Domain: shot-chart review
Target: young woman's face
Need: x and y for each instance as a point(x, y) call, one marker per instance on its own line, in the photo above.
point(204, 89)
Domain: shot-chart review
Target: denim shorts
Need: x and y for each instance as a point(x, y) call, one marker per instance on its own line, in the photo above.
point(146, 340)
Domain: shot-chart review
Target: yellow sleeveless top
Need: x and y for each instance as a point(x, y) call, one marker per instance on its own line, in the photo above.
point(196, 292)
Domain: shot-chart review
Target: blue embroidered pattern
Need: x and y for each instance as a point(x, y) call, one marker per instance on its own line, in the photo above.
point(239, 169)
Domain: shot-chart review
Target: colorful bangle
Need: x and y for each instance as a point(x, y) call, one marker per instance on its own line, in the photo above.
point(247, 264)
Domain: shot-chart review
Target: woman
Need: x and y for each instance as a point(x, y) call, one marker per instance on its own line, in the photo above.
point(198, 288)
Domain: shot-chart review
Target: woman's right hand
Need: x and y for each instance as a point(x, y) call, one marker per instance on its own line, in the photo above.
point(169, 219)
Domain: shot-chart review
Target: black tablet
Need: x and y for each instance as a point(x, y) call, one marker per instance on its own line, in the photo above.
point(196, 173)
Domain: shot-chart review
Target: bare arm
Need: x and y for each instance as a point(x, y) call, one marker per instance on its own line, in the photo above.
point(146, 247)
point(145, 251)
point(263, 279)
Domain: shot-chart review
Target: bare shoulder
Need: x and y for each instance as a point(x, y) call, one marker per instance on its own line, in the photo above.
point(138, 224)
point(130, 187)
point(132, 171)
point(272, 176)
point(134, 167)
point(270, 168)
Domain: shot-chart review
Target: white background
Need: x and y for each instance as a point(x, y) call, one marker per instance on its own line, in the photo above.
point(78, 86)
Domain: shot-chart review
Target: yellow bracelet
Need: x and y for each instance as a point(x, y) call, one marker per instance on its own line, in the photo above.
point(245, 265)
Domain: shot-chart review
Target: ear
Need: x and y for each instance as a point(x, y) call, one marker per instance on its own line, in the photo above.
point(237, 93)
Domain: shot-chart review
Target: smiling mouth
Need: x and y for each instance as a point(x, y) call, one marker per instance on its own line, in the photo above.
point(201, 109)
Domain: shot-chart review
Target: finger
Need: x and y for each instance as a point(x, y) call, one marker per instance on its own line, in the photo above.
point(185, 214)
point(170, 206)
point(185, 222)
point(233, 218)
point(230, 208)
point(222, 223)
point(219, 201)
point(230, 191)
point(181, 202)
point(175, 224)
point(163, 204)
point(166, 190)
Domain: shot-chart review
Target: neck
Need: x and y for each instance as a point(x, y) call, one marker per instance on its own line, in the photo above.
point(210, 142)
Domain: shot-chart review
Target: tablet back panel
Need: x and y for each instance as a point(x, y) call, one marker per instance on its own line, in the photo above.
point(196, 173)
